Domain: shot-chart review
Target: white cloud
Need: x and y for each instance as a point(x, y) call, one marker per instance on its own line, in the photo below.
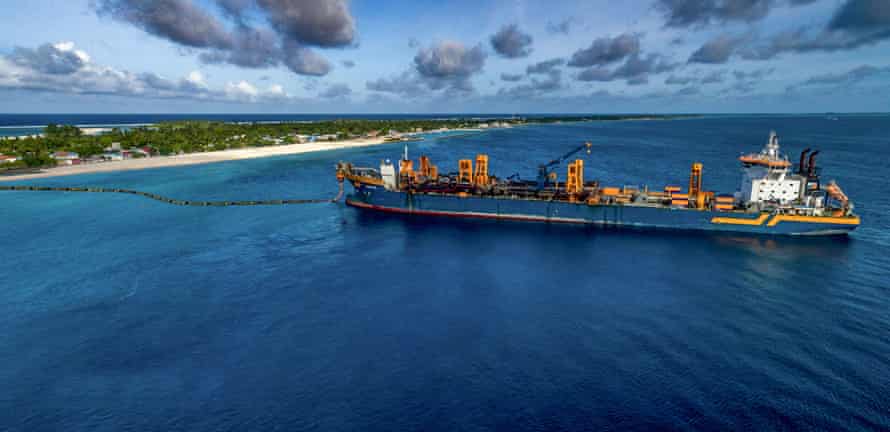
point(64, 46)
point(241, 90)
point(276, 90)
point(68, 46)
point(197, 78)
point(61, 68)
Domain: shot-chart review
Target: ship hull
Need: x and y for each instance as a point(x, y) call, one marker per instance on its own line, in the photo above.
point(376, 198)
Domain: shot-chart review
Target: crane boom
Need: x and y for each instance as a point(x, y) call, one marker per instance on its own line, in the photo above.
point(544, 170)
point(571, 153)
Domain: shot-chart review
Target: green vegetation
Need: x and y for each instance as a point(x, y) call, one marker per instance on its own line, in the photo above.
point(201, 136)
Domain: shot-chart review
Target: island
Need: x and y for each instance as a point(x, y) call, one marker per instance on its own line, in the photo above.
point(67, 149)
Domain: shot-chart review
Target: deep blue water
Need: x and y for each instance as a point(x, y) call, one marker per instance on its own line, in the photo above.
point(121, 313)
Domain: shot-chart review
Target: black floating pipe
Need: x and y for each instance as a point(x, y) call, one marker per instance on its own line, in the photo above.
point(801, 168)
point(811, 165)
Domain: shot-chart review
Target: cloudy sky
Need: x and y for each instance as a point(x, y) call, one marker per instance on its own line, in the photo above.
point(337, 56)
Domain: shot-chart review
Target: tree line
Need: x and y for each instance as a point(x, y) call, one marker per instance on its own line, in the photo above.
point(178, 137)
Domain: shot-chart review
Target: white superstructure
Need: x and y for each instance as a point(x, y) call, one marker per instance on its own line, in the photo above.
point(388, 174)
point(767, 176)
point(761, 184)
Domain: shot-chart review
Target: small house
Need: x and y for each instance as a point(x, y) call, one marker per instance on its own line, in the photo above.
point(65, 157)
point(112, 156)
point(139, 152)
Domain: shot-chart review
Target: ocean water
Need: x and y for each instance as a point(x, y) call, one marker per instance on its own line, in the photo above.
point(121, 313)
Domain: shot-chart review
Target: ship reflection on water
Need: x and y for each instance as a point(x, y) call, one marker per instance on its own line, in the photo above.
point(834, 247)
point(554, 256)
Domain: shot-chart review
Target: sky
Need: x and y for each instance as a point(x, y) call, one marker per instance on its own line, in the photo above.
point(460, 56)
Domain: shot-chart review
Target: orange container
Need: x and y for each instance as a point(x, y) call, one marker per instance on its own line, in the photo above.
point(610, 191)
point(672, 188)
point(680, 196)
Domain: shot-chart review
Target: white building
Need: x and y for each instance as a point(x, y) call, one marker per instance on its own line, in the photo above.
point(139, 151)
point(65, 158)
point(113, 156)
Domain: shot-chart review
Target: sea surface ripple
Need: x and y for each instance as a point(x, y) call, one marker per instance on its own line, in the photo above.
point(121, 313)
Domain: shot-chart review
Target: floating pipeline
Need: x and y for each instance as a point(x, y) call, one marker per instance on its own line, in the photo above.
point(156, 197)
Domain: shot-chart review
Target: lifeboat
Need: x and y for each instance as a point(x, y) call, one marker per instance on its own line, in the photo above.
point(763, 160)
point(835, 192)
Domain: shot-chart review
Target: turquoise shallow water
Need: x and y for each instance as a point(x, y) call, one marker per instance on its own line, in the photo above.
point(121, 313)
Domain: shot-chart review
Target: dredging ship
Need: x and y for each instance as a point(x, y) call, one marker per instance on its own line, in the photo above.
point(775, 197)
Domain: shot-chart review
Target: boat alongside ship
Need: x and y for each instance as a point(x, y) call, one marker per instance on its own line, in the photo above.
point(775, 197)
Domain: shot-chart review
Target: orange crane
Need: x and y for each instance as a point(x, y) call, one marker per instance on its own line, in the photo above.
point(465, 171)
point(696, 196)
point(480, 176)
point(575, 178)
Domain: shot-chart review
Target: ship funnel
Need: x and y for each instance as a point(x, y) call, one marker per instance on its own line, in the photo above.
point(802, 168)
point(811, 165)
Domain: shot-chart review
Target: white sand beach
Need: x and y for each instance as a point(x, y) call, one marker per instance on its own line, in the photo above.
point(193, 158)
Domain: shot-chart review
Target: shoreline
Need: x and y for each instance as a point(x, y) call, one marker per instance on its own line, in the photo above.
point(227, 155)
point(214, 156)
point(194, 158)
